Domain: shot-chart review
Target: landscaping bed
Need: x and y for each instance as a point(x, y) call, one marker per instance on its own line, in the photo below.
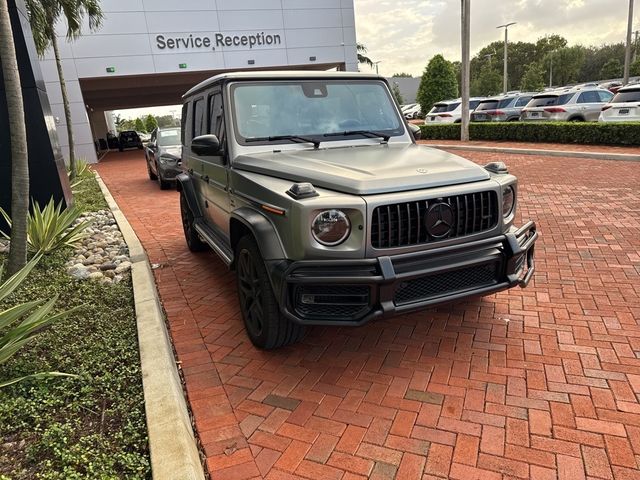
point(593, 133)
point(91, 426)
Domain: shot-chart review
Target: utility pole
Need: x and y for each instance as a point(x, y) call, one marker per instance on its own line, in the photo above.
point(550, 71)
point(635, 46)
point(506, 41)
point(466, 34)
point(376, 65)
point(627, 51)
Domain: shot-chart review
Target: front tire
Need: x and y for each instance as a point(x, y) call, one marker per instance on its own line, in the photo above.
point(152, 176)
point(164, 184)
point(266, 327)
point(191, 236)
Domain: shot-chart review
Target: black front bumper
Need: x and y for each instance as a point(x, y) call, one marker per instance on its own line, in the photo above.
point(354, 292)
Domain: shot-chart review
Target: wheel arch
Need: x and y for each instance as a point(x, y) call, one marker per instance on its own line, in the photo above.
point(246, 221)
point(184, 184)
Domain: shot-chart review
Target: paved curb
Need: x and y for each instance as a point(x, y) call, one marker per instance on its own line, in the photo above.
point(627, 157)
point(174, 453)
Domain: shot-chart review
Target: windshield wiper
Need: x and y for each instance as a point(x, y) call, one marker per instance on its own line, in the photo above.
point(364, 133)
point(294, 138)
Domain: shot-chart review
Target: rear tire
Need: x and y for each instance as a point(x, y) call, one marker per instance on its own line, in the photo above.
point(190, 235)
point(266, 327)
point(576, 119)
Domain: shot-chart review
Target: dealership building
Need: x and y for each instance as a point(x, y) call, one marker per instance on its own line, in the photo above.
point(149, 52)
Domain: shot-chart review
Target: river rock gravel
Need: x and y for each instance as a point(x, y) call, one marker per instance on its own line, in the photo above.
point(102, 255)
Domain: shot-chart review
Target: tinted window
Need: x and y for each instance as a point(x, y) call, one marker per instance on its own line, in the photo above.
point(199, 125)
point(589, 97)
point(444, 107)
point(215, 114)
point(487, 105)
point(473, 104)
point(627, 96)
point(183, 120)
point(522, 101)
point(547, 100)
point(505, 102)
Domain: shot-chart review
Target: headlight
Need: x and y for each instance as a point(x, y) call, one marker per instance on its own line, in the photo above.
point(331, 227)
point(168, 160)
point(508, 201)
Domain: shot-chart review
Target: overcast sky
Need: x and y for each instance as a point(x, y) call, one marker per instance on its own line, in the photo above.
point(405, 34)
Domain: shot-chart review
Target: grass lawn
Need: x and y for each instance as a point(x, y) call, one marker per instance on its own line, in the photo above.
point(92, 426)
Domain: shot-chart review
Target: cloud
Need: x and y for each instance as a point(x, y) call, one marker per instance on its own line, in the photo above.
point(404, 34)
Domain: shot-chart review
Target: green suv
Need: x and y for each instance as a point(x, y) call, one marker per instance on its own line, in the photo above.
point(312, 188)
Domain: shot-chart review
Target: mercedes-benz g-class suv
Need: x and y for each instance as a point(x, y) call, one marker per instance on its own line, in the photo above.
point(312, 188)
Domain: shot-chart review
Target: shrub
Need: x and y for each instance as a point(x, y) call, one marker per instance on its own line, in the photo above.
point(50, 228)
point(35, 316)
point(546, 132)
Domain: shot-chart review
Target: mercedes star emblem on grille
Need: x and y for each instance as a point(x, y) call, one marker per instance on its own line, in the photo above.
point(439, 220)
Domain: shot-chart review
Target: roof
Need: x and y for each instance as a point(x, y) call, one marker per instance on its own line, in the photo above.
point(572, 89)
point(631, 86)
point(282, 75)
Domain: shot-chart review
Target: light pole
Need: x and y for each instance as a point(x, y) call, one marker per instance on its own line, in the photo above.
point(627, 51)
point(466, 34)
point(635, 46)
point(375, 64)
point(506, 40)
point(550, 71)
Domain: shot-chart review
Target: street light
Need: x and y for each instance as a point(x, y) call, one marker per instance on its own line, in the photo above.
point(465, 14)
point(627, 51)
point(375, 64)
point(506, 39)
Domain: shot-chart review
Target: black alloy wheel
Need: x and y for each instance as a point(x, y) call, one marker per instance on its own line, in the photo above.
point(191, 236)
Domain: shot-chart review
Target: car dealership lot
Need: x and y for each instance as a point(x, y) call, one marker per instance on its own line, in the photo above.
point(525, 383)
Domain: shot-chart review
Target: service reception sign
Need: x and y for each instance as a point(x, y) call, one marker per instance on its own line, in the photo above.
point(173, 43)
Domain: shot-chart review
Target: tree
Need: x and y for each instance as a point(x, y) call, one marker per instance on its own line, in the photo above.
point(43, 16)
point(138, 125)
point(362, 58)
point(166, 121)
point(612, 69)
point(533, 78)
point(150, 123)
point(567, 62)
point(438, 83)
point(634, 68)
point(18, 136)
point(402, 75)
point(395, 90)
point(488, 83)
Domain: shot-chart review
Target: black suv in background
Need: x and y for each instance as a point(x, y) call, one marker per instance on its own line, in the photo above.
point(129, 139)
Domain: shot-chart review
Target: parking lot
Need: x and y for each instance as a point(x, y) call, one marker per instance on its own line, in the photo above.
point(539, 383)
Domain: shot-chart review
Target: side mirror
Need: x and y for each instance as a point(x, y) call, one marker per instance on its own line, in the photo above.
point(415, 131)
point(205, 145)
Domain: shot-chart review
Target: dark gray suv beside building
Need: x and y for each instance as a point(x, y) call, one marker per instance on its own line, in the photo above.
point(311, 187)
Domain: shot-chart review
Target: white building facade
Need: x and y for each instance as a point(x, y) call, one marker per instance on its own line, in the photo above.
point(149, 52)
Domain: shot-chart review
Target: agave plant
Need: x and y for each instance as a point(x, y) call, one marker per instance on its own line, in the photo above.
point(50, 228)
point(34, 316)
point(82, 171)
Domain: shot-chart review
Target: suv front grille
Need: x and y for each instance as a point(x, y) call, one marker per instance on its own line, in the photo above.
point(439, 284)
point(403, 224)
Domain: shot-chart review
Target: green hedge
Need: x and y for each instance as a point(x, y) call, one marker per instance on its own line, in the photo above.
point(547, 132)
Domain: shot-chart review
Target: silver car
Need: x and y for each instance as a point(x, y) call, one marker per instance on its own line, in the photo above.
point(503, 108)
point(624, 106)
point(576, 104)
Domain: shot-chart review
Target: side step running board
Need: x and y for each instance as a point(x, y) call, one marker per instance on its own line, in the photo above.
point(213, 240)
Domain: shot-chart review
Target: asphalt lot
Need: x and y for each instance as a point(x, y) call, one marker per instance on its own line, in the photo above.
point(540, 383)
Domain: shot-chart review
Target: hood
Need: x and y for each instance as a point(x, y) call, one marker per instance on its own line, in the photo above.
point(366, 170)
point(172, 150)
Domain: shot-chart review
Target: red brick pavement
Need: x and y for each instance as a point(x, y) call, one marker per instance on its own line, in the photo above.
point(572, 147)
point(540, 383)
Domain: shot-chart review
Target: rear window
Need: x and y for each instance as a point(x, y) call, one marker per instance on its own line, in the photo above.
point(547, 100)
point(627, 96)
point(473, 104)
point(444, 107)
point(129, 135)
point(487, 105)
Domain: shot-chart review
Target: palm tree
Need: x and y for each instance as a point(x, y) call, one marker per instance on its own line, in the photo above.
point(43, 16)
point(18, 135)
point(362, 58)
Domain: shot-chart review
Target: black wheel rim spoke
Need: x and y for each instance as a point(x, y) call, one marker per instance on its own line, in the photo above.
point(250, 292)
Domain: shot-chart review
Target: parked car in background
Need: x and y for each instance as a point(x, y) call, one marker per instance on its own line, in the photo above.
point(624, 106)
point(414, 111)
point(575, 104)
point(129, 139)
point(144, 137)
point(503, 108)
point(163, 156)
point(450, 111)
point(612, 86)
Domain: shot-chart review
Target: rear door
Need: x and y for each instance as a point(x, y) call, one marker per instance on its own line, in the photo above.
point(589, 105)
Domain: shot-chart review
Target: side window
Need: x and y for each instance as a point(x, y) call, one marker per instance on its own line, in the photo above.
point(605, 96)
point(215, 115)
point(522, 101)
point(199, 125)
point(183, 121)
point(589, 97)
point(153, 136)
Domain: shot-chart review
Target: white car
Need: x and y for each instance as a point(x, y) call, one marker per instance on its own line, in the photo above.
point(624, 106)
point(414, 111)
point(450, 111)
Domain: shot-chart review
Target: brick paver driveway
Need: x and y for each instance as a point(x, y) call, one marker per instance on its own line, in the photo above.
point(539, 383)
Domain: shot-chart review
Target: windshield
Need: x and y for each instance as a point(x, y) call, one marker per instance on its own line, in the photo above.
point(168, 138)
point(311, 108)
point(627, 96)
point(547, 100)
point(487, 105)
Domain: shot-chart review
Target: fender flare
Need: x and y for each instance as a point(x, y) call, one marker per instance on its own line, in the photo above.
point(184, 184)
point(262, 230)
